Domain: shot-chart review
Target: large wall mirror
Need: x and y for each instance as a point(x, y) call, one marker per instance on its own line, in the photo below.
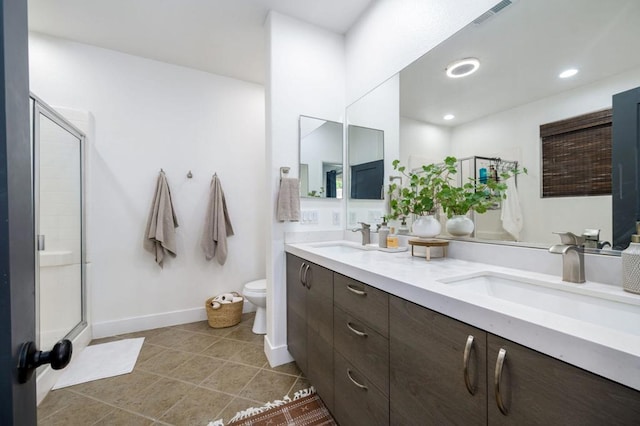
point(497, 111)
point(321, 153)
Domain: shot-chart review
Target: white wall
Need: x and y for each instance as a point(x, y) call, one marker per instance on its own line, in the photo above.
point(423, 143)
point(305, 76)
point(515, 135)
point(393, 33)
point(151, 115)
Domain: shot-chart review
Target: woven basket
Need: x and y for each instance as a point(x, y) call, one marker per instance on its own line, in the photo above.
point(227, 315)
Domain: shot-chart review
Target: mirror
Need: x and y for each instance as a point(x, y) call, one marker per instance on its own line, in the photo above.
point(366, 162)
point(499, 109)
point(321, 148)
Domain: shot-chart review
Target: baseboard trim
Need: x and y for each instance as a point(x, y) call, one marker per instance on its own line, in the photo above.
point(48, 378)
point(148, 322)
point(276, 355)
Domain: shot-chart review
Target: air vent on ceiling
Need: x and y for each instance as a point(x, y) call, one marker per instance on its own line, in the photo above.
point(495, 9)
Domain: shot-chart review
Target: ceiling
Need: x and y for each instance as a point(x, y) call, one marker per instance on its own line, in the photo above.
point(224, 37)
point(522, 49)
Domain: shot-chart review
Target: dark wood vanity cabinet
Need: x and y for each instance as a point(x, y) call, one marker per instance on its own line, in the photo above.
point(535, 389)
point(377, 359)
point(310, 323)
point(437, 368)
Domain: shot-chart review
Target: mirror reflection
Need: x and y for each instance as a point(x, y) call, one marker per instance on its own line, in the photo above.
point(321, 173)
point(366, 162)
point(498, 111)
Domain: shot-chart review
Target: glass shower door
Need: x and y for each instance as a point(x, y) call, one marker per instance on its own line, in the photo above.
point(58, 180)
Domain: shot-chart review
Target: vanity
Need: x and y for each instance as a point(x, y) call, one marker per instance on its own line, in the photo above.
point(387, 338)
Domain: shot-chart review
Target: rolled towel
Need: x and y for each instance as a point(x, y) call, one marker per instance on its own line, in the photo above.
point(289, 200)
point(237, 299)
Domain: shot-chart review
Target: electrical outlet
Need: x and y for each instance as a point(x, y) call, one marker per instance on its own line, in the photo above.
point(335, 218)
point(353, 218)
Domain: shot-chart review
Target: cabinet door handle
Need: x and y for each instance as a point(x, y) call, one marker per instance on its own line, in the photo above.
point(361, 386)
point(356, 332)
point(497, 378)
point(465, 363)
point(300, 274)
point(356, 291)
point(306, 270)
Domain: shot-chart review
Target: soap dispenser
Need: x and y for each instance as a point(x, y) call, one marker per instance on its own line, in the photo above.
point(383, 233)
point(631, 265)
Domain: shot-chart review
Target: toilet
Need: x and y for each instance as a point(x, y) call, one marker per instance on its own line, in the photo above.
point(256, 293)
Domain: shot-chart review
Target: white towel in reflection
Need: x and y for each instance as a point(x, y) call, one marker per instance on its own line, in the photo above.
point(511, 214)
point(289, 200)
point(160, 233)
point(217, 225)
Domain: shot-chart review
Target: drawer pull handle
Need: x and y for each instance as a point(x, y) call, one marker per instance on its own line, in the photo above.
point(306, 271)
point(497, 378)
point(300, 274)
point(363, 387)
point(356, 291)
point(465, 362)
point(356, 332)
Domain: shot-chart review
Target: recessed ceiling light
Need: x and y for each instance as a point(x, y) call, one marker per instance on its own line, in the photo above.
point(449, 117)
point(568, 73)
point(462, 67)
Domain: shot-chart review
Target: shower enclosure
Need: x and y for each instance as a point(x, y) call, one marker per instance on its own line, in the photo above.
point(58, 177)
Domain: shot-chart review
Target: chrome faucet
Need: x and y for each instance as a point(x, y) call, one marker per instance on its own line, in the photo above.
point(572, 251)
point(366, 233)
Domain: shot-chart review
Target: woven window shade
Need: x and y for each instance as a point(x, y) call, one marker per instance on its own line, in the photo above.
point(576, 156)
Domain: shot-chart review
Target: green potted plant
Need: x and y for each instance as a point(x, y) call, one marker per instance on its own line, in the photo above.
point(458, 201)
point(419, 197)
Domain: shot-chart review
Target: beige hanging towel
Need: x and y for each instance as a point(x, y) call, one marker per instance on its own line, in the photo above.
point(289, 200)
point(217, 226)
point(160, 234)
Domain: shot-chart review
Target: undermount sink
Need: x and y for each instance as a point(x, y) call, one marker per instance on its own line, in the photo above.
point(619, 312)
point(343, 246)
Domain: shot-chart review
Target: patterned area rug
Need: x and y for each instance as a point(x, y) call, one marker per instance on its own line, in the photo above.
point(305, 409)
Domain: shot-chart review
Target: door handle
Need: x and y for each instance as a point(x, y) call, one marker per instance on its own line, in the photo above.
point(465, 364)
point(40, 243)
point(31, 358)
point(497, 378)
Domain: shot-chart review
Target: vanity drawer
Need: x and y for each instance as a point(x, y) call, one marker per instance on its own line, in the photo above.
point(357, 401)
point(363, 347)
point(363, 301)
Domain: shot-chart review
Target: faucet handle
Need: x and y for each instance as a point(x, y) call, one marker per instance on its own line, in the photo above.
point(571, 238)
point(365, 225)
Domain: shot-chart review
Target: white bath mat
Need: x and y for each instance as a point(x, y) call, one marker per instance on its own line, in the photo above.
point(101, 361)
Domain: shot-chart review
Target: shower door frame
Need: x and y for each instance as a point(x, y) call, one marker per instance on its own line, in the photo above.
point(42, 108)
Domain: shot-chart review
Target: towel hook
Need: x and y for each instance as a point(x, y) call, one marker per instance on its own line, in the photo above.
point(284, 171)
point(189, 175)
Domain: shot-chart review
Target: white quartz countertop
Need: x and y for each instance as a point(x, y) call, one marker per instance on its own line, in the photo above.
point(610, 351)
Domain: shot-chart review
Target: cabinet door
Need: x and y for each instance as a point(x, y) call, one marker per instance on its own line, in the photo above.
point(319, 282)
point(296, 311)
point(427, 369)
point(537, 389)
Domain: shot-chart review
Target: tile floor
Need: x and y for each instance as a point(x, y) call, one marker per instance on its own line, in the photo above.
point(185, 375)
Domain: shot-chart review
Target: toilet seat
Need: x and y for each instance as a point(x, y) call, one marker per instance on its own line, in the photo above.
point(257, 286)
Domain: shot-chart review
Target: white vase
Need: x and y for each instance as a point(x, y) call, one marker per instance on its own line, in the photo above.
point(459, 226)
point(631, 267)
point(426, 227)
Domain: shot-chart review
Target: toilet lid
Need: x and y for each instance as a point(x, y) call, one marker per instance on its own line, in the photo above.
point(256, 285)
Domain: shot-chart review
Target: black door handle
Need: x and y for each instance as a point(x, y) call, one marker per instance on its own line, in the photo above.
point(31, 358)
